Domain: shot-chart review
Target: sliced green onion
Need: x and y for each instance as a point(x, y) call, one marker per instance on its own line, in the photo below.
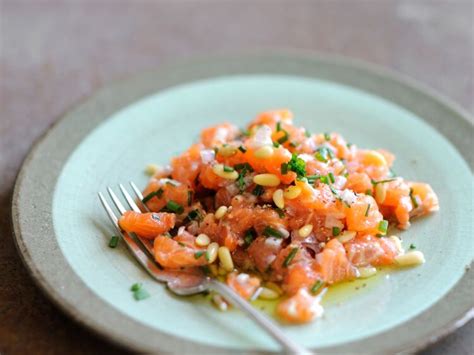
point(367, 210)
point(383, 226)
point(317, 285)
point(272, 232)
point(174, 207)
point(336, 231)
point(114, 241)
point(228, 169)
point(290, 257)
point(332, 178)
point(258, 190)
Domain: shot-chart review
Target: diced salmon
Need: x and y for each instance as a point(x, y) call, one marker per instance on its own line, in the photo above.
point(185, 168)
point(244, 284)
point(180, 251)
point(219, 134)
point(334, 266)
point(363, 215)
point(299, 308)
point(359, 182)
point(369, 250)
point(300, 275)
point(147, 225)
point(165, 190)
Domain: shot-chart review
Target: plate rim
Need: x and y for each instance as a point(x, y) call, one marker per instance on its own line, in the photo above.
point(281, 57)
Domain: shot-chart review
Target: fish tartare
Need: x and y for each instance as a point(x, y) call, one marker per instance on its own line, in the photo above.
point(279, 212)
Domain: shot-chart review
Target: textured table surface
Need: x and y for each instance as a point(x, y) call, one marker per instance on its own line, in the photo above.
point(55, 53)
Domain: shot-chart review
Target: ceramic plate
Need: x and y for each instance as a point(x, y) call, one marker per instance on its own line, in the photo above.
point(62, 232)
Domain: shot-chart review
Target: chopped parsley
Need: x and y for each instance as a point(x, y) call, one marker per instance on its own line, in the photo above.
point(114, 241)
point(383, 226)
point(290, 257)
point(158, 193)
point(336, 231)
point(272, 232)
point(297, 165)
point(258, 190)
point(317, 285)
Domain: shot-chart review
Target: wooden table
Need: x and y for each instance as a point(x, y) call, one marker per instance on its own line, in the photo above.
point(54, 54)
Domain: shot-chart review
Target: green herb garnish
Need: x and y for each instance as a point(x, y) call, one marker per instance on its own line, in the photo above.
point(174, 207)
point(141, 294)
point(194, 215)
point(284, 168)
point(382, 181)
point(327, 136)
point(249, 236)
point(258, 190)
point(313, 178)
point(331, 178)
point(383, 226)
point(336, 231)
point(290, 257)
point(190, 197)
point(281, 213)
point(297, 165)
point(285, 137)
point(367, 210)
point(228, 169)
point(198, 254)
point(278, 126)
point(242, 149)
point(136, 286)
point(272, 232)
point(307, 133)
point(413, 199)
point(412, 246)
point(158, 193)
point(114, 241)
point(317, 285)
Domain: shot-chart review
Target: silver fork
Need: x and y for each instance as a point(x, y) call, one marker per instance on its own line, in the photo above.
point(183, 284)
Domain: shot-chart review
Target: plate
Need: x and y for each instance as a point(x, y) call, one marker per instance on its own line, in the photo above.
point(62, 232)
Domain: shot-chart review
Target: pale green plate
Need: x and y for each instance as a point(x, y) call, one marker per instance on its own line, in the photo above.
point(62, 232)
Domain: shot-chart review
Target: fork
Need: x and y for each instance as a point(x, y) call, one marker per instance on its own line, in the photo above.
point(184, 284)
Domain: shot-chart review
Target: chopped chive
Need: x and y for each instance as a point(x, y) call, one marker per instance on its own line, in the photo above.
point(228, 169)
point(272, 232)
point(332, 178)
point(392, 172)
point(158, 193)
point(190, 197)
point(367, 210)
point(306, 133)
point(348, 145)
point(198, 254)
point(281, 213)
point(285, 137)
point(293, 144)
point(322, 154)
point(324, 179)
point(368, 192)
point(382, 181)
point(245, 132)
point(336, 231)
point(290, 257)
point(182, 244)
point(317, 285)
point(243, 166)
point(276, 144)
point(249, 236)
point(278, 126)
point(413, 199)
point(331, 154)
point(327, 136)
point(284, 168)
point(242, 149)
point(383, 225)
point(174, 207)
point(141, 294)
point(258, 190)
point(114, 241)
point(379, 235)
point(313, 178)
point(136, 286)
point(171, 183)
point(412, 246)
point(194, 215)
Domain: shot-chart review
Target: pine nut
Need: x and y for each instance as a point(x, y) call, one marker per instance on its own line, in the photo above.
point(278, 198)
point(226, 259)
point(268, 294)
point(398, 243)
point(373, 157)
point(366, 272)
point(227, 150)
point(212, 250)
point(221, 211)
point(264, 152)
point(380, 193)
point(218, 169)
point(305, 230)
point(151, 169)
point(202, 240)
point(273, 286)
point(346, 236)
point(266, 180)
point(410, 259)
point(220, 303)
point(292, 192)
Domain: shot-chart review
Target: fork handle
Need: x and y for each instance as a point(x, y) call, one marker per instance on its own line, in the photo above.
point(289, 345)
